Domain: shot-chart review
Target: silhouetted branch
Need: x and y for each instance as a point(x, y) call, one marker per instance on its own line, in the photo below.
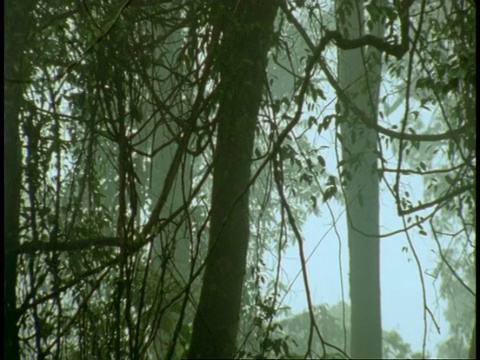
point(32, 247)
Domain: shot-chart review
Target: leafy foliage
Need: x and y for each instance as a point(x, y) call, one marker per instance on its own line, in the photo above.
point(116, 106)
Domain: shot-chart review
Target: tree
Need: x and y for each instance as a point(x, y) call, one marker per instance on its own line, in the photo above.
point(17, 69)
point(333, 328)
point(84, 216)
point(124, 118)
point(472, 352)
point(172, 243)
point(241, 60)
point(457, 290)
point(359, 76)
point(443, 48)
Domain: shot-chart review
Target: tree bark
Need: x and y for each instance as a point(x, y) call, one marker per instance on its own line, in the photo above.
point(172, 241)
point(472, 352)
point(17, 25)
point(241, 59)
point(359, 75)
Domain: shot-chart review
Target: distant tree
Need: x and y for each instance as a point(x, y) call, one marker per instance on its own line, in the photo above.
point(150, 145)
point(333, 327)
point(359, 76)
point(460, 304)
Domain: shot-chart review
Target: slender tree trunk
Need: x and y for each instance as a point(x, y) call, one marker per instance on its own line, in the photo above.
point(359, 75)
point(171, 239)
point(17, 24)
point(241, 58)
point(11, 191)
point(472, 353)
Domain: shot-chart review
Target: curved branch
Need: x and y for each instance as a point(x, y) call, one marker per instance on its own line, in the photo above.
point(380, 129)
point(441, 199)
point(346, 44)
point(77, 245)
point(397, 50)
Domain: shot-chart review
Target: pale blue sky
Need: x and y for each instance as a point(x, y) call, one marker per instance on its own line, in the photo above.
point(401, 288)
point(402, 304)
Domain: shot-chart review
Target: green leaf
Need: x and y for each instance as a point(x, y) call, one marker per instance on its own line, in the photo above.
point(329, 193)
point(314, 201)
point(321, 161)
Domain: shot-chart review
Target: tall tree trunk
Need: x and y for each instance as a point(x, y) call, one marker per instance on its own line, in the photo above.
point(17, 24)
point(173, 238)
point(472, 352)
point(246, 27)
point(359, 76)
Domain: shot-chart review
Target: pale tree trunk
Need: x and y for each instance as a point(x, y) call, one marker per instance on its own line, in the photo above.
point(166, 136)
point(172, 243)
point(246, 28)
point(472, 353)
point(359, 76)
point(17, 25)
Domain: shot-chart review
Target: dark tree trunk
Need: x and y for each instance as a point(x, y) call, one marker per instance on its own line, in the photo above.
point(241, 58)
point(15, 36)
point(359, 74)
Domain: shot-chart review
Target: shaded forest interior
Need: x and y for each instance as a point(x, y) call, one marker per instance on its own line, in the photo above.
point(162, 157)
